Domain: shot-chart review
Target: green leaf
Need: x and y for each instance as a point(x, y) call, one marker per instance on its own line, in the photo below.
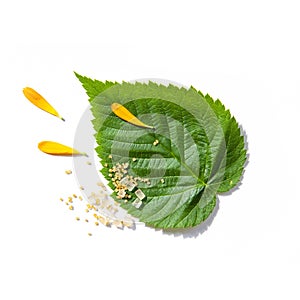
point(93, 87)
point(200, 151)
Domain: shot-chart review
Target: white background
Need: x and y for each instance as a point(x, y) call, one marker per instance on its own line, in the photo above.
point(244, 52)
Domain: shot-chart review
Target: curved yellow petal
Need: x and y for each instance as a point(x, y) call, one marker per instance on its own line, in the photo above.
point(124, 114)
point(38, 100)
point(55, 148)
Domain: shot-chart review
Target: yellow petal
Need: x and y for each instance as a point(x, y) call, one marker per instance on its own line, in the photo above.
point(124, 114)
point(38, 100)
point(58, 149)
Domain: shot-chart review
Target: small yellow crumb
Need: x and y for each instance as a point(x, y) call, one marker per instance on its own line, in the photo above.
point(67, 203)
point(70, 200)
point(80, 198)
point(133, 159)
point(118, 223)
point(71, 207)
point(87, 210)
point(68, 172)
point(88, 163)
point(97, 223)
point(86, 220)
point(162, 180)
point(127, 223)
point(104, 221)
point(105, 165)
point(74, 195)
point(109, 156)
point(77, 219)
point(81, 187)
point(121, 193)
point(61, 199)
point(89, 234)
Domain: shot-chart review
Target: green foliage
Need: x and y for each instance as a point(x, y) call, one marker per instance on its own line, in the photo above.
point(200, 153)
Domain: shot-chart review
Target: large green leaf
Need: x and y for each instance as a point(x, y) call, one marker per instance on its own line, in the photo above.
point(200, 151)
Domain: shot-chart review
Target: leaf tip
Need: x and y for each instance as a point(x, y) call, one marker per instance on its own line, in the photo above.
point(76, 74)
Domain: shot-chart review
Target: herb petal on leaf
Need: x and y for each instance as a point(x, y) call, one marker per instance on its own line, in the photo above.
point(123, 113)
